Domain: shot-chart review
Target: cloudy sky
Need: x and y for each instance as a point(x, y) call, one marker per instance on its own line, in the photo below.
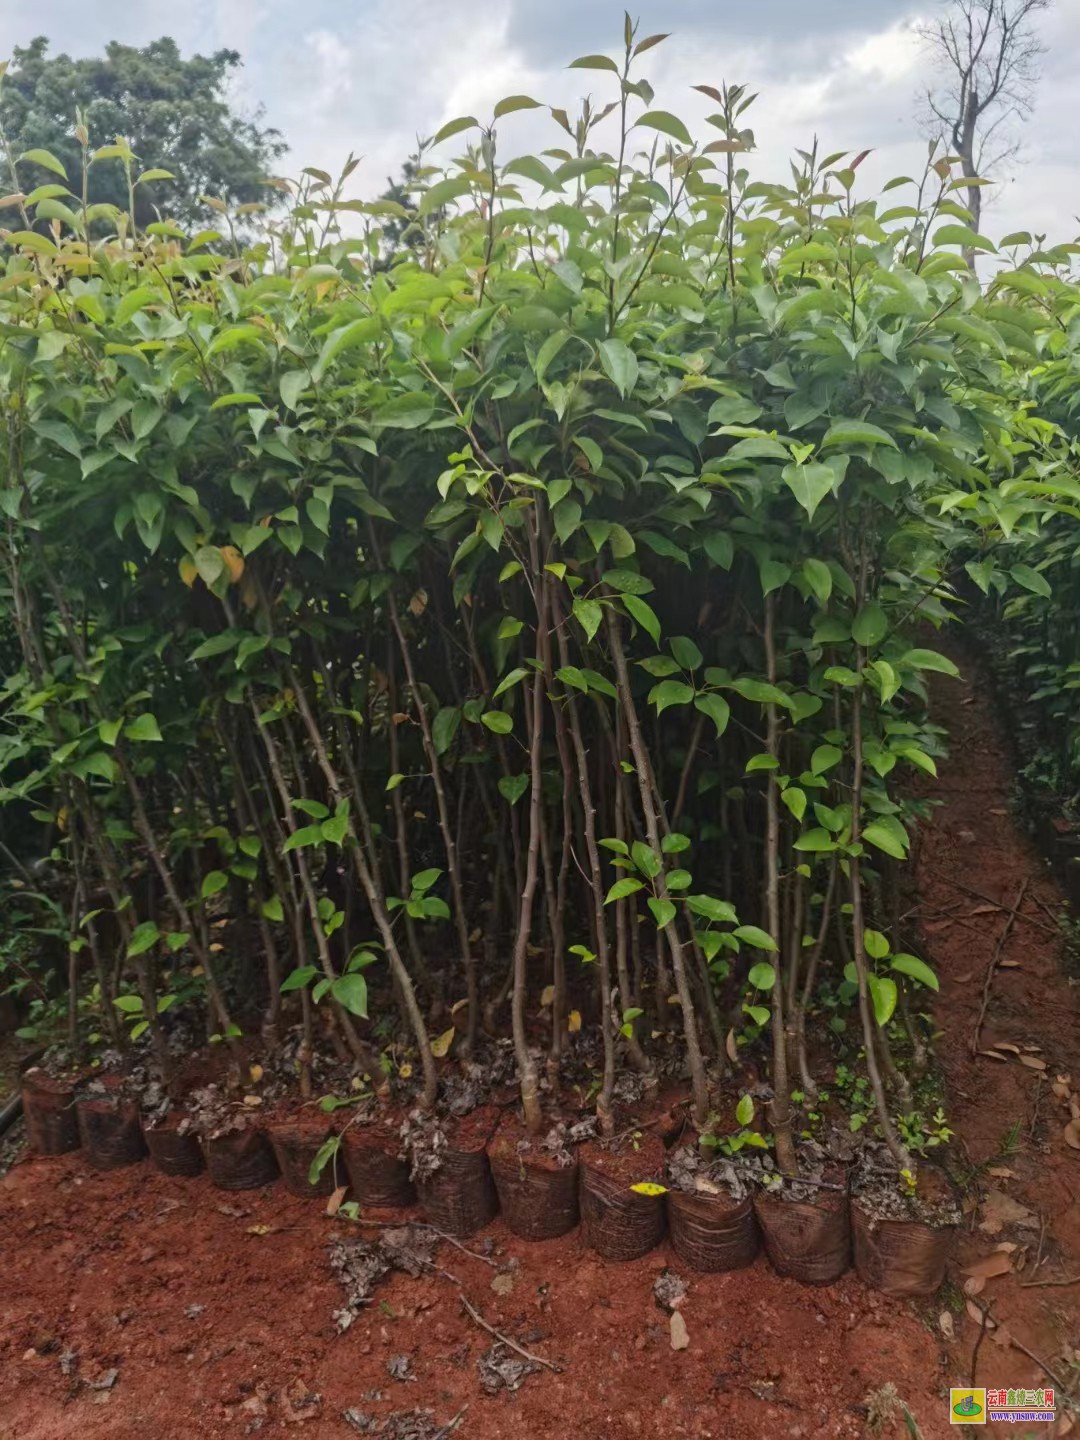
point(367, 75)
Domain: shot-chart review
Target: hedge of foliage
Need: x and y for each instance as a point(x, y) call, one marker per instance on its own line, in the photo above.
point(524, 628)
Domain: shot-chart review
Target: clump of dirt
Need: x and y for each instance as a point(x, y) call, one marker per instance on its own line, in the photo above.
point(820, 1174)
point(669, 1290)
point(401, 1425)
point(360, 1264)
point(501, 1368)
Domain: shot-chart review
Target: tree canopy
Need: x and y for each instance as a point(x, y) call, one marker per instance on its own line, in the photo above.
point(174, 112)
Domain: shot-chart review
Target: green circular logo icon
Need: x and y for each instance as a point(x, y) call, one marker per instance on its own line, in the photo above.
point(968, 1406)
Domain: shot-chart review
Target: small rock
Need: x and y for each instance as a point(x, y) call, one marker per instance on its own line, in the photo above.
point(680, 1336)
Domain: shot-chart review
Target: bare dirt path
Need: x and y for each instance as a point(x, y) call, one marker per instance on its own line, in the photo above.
point(215, 1310)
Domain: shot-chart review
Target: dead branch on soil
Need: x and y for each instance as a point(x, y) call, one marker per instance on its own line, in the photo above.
point(1045, 1284)
point(525, 1354)
point(992, 967)
point(988, 1320)
point(452, 1426)
point(998, 904)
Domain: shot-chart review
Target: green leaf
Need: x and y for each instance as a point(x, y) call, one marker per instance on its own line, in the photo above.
point(883, 995)
point(143, 727)
point(513, 787)
point(824, 758)
point(645, 616)
point(753, 935)
point(325, 1153)
point(870, 626)
point(856, 432)
point(670, 692)
point(716, 708)
point(628, 582)
point(762, 975)
point(213, 883)
point(498, 721)
point(515, 102)
point(272, 909)
point(709, 909)
point(663, 911)
point(760, 691)
point(509, 681)
point(815, 841)
point(645, 858)
point(314, 808)
point(335, 829)
point(143, 938)
point(46, 159)
point(930, 660)
point(667, 123)
point(758, 1013)
point(217, 645)
point(129, 1004)
point(809, 484)
point(594, 62)
point(298, 978)
point(588, 614)
point(744, 1110)
point(405, 412)
point(686, 652)
point(877, 946)
point(1031, 580)
point(454, 127)
point(627, 886)
point(350, 992)
point(619, 364)
point(885, 839)
point(302, 838)
point(394, 780)
point(795, 800)
point(675, 844)
point(915, 969)
point(444, 727)
point(819, 578)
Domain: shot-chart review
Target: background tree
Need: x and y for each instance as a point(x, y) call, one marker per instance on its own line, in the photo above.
point(988, 54)
point(174, 112)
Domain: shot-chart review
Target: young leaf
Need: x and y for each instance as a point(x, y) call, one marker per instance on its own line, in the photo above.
point(663, 911)
point(916, 969)
point(753, 935)
point(744, 1111)
point(620, 365)
point(622, 888)
point(350, 991)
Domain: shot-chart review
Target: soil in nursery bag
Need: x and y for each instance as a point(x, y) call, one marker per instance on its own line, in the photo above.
point(710, 1211)
point(449, 1166)
point(238, 1154)
point(297, 1132)
point(537, 1176)
point(110, 1122)
point(618, 1222)
point(174, 1146)
point(49, 1109)
point(805, 1222)
point(902, 1237)
point(374, 1154)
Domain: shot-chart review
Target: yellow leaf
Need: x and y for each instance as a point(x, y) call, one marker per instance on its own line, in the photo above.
point(418, 603)
point(188, 571)
point(256, 1073)
point(405, 1071)
point(573, 1021)
point(62, 817)
point(441, 1045)
point(648, 1187)
point(548, 996)
point(216, 948)
point(234, 562)
point(258, 1229)
point(249, 595)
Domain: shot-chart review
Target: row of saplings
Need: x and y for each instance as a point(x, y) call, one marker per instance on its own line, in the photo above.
point(472, 1158)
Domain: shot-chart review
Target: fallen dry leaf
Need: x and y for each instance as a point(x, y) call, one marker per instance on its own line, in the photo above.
point(977, 1315)
point(990, 1265)
point(975, 1286)
point(1033, 1062)
point(1009, 965)
point(1007, 1045)
point(999, 1210)
point(259, 1229)
point(945, 1324)
point(680, 1336)
point(252, 1100)
point(995, 1055)
point(333, 1205)
point(731, 1047)
point(1001, 1172)
point(1072, 1134)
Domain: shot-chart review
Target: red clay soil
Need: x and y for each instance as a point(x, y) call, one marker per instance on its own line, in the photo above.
point(218, 1327)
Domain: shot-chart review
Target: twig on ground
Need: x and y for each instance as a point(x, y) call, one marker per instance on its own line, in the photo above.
point(1050, 1375)
point(1042, 1241)
point(454, 1423)
point(992, 967)
point(525, 1354)
point(986, 1319)
point(1044, 1284)
point(999, 905)
point(458, 1245)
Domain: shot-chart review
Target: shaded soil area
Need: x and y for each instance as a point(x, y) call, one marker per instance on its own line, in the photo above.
point(133, 1305)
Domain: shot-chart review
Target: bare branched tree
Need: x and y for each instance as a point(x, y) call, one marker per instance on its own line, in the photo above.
point(988, 53)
